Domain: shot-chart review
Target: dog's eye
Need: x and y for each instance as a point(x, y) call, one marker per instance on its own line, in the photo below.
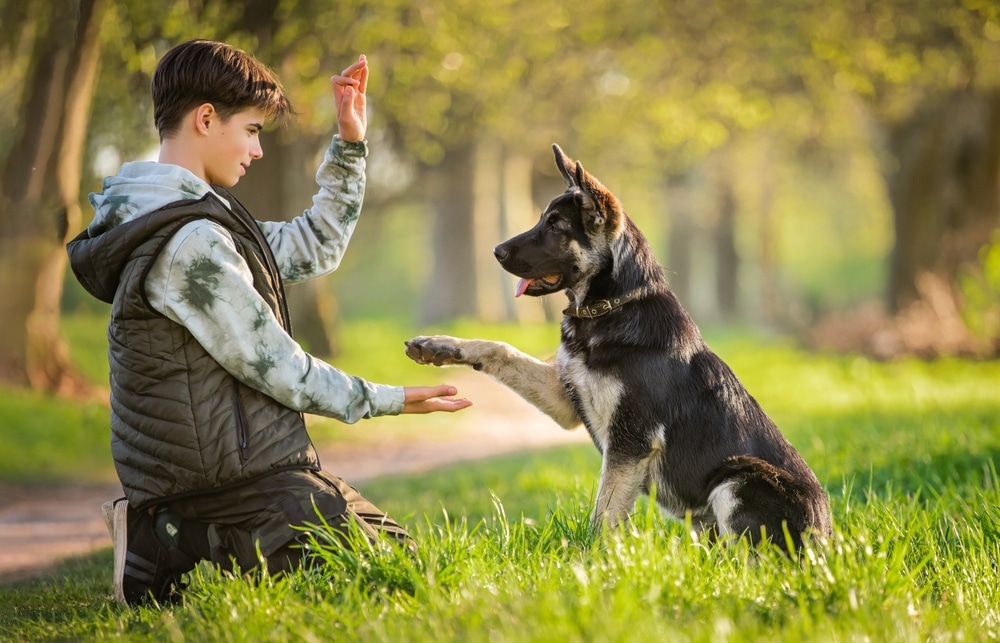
point(558, 225)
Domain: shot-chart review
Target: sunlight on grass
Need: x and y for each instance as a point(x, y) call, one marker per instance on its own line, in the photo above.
point(898, 568)
point(907, 450)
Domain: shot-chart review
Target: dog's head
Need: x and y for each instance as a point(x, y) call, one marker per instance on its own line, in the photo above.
point(572, 239)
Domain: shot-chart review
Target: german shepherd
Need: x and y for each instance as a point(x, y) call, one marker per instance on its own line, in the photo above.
point(664, 411)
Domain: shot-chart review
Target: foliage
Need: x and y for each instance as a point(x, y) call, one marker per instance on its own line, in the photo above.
point(679, 78)
point(980, 286)
point(642, 91)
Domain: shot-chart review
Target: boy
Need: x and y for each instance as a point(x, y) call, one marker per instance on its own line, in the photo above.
point(207, 385)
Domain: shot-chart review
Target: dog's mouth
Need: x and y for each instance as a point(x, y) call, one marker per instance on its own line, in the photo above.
point(538, 286)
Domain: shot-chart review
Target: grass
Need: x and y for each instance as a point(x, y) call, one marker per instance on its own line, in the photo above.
point(907, 450)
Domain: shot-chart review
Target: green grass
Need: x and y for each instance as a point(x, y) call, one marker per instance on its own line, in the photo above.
point(907, 450)
point(48, 440)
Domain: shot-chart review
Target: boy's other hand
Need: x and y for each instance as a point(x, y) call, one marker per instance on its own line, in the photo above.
point(349, 95)
point(430, 399)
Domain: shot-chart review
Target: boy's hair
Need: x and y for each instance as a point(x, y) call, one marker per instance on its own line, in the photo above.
point(204, 71)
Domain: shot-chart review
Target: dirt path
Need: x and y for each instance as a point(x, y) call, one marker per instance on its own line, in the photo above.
point(40, 526)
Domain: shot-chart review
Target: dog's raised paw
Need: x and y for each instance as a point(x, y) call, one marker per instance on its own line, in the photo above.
point(438, 350)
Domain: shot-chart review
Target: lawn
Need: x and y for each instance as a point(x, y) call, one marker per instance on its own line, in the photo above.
point(907, 451)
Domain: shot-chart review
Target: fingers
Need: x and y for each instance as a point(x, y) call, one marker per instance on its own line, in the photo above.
point(362, 74)
point(432, 399)
point(447, 405)
point(423, 393)
point(350, 101)
point(356, 76)
point(346, 98)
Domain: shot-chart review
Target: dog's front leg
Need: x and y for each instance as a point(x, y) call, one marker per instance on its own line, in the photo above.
point(622, 479)
point(534, 380)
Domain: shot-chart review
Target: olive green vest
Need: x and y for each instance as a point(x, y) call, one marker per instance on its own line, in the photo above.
point(181, 424)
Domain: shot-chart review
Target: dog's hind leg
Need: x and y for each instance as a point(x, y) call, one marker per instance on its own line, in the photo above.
point(760, 501)
point(536, 381)
point(623, 478)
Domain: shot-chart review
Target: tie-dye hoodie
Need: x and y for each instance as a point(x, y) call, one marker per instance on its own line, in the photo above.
point(200, 281)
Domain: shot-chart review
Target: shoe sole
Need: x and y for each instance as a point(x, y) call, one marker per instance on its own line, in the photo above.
point(117, 522)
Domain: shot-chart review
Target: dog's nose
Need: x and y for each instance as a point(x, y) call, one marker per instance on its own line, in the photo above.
point(500, 253)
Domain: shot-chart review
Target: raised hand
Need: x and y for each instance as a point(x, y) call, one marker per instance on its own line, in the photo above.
point(349, 95)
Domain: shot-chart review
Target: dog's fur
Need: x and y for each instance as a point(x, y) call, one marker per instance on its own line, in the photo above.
point(663, 409)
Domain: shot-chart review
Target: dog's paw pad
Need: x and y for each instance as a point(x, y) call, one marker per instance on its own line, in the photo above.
point(439, 351)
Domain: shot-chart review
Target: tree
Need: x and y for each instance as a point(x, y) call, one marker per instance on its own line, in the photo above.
point(944, 189)
point(40, 186)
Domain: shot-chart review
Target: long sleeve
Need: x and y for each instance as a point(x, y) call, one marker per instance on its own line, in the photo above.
point(312, 244)
point(236, 327)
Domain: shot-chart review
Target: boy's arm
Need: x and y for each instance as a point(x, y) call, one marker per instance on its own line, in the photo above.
point(201, 282)
point(313, 243)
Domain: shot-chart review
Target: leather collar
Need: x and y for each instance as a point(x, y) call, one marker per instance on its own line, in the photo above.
point(599, 308)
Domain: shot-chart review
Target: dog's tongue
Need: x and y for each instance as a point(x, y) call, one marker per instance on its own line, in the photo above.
point(522, 285)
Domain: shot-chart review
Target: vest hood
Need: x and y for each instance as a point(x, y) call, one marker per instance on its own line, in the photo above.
point(140, 188)
point(98, 254)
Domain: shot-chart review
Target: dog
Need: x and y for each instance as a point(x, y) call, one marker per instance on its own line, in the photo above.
point(664, 411)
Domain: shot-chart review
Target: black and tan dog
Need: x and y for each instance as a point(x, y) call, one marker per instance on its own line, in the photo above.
point(663, 409)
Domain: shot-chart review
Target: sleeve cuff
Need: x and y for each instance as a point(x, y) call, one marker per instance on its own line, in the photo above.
point(388, 400)
point(357, 149)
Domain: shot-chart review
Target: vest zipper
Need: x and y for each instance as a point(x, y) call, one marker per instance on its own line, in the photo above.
point(243, 215)
point(241, 426)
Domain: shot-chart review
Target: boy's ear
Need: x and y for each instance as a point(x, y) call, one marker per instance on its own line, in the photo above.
point(204, 114)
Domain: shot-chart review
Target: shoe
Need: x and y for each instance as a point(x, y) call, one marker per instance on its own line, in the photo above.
point(143, 569)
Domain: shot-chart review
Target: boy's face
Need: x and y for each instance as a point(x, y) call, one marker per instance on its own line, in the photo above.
point(234, 144)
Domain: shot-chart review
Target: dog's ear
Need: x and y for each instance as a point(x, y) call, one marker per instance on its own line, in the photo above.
point(593, 216)
point(597, 204)
point(564, 163)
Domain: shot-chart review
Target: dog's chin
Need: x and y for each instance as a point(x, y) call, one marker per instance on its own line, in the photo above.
point(538, 286)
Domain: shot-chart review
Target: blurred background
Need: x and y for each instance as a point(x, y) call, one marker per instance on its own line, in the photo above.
point(825, 171)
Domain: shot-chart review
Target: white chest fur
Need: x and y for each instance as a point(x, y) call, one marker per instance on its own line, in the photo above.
point(598, 395)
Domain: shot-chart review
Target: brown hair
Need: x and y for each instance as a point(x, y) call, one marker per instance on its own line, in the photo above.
point(204, 71)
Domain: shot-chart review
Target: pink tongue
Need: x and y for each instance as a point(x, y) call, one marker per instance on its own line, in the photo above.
point(522, 285)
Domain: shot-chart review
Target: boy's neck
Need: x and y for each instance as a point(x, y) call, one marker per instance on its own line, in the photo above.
point(177, 152)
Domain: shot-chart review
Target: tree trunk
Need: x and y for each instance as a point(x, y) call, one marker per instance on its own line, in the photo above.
point(41, 193)
point(451, 292)
point(727, 264)
point(768, 256)
point(944, 191)
point(486, 227)
point(519, 214)
point(681, 239)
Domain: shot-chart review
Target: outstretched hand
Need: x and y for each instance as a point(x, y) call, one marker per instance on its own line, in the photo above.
point(349, 95)
point(430, 399)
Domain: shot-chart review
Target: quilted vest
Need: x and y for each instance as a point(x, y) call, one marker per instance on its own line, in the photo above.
point(181, 425)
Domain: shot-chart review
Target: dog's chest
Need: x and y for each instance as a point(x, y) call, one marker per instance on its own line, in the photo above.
point(595, 395)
